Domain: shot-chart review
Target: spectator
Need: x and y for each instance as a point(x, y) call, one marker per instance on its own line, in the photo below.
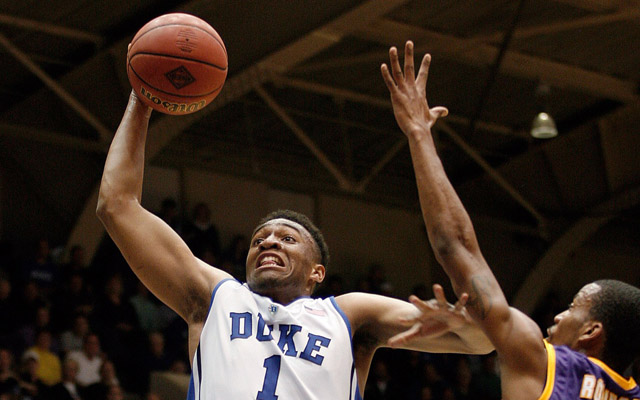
point(236, 257)
point(169, 213)
point(89, 360)
point(201, 234)
point(115, 393)
point(146, 309)
point(485, 384)
point(154, 359)
point(41, 321)
point(408, 369)
point(8, 315)
point(76, 264)
point(41, 269)
point(179, 366)
point(380, 385)
point(9, 387)
point(431, 377)
point(68, 389)
point(31, 386)
point(332, 286)
point(462, 379)
point(50, 367)
point(108, 378)
point(115, 320)
point(28, 302)
point(426, 393)
point(74, 297)
point(72, 339)
point(377, 280)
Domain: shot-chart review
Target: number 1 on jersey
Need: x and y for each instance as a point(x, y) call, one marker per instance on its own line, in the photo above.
point(272, 365)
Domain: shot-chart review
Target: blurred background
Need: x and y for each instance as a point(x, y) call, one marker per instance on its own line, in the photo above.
point(304, 122)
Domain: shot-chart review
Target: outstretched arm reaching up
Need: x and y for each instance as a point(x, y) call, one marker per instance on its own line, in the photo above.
point(517, 338)
point(155, 253)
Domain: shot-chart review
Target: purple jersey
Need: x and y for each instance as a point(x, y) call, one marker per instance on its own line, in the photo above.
point(573, 376)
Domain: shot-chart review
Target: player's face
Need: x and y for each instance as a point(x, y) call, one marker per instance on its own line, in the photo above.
point(281, 259)
point(569, 324)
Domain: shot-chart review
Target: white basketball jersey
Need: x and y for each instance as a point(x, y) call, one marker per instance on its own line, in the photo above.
point(254, 348)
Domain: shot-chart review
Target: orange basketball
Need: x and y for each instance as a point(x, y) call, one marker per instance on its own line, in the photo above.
point(177, 63)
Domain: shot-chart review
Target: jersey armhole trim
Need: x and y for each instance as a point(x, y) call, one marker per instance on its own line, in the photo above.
point(215, 290)
point(344, 317)
point(551, 371)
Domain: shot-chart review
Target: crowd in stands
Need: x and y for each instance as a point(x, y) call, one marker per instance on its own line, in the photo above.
point(74, 331)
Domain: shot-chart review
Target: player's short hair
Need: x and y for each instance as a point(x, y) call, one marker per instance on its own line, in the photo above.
point(303, 220)
point(617, 306)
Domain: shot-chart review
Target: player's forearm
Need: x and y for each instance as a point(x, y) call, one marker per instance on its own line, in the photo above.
point(124, 167)
point(474, 338)
point(448, 225)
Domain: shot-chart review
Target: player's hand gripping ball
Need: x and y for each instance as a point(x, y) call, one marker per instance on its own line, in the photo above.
point(177, 64)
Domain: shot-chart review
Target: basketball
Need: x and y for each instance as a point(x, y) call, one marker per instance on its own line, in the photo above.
point(177, 63)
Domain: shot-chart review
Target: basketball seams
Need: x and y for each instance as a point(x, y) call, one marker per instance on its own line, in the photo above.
point(163, 57)
point(190, 26)
point(174, 94)
point(146, 53)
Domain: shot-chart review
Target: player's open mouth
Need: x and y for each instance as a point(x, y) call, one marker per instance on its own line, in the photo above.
point(269, 261)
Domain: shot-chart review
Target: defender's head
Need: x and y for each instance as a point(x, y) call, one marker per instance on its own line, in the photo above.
point(603, 321)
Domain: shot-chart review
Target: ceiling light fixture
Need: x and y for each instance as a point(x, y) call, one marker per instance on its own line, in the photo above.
point(543, 126)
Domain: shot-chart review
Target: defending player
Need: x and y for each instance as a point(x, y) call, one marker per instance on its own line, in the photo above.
point(268, 339)
point(591, 343)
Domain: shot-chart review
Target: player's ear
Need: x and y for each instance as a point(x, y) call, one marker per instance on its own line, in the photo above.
point(592, 334)
point(317, 273)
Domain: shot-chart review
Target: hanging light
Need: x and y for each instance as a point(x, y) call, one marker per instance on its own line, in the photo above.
point(543, 126)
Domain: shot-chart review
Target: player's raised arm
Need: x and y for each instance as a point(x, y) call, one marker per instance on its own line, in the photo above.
point(155, 253)
point(516, 338)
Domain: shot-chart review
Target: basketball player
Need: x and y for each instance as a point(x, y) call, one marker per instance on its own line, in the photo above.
point(268, 339)
point(591, 343)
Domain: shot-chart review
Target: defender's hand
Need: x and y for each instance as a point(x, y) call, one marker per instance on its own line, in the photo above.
point(408, 93)
point(432, 318)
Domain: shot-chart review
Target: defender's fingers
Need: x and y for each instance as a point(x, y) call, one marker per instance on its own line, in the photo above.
point(405, 336)
point(409, 69)
point(462, 301)
point(423, 73)
point(423, 306)
point(394, 63)
point(438, 292)
point(388, 80)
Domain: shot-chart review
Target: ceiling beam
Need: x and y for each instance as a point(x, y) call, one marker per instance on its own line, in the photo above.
point(600, 5)
point(51, 29)
point(385, 103)
point(384, 160)
point(350, 95)
point(493, 174)
point(563, 26)
point(343, 181)
point(392, 33)
point(104, 132)
point(52, 138)
point(520, 33)
point(537, 284)
point(88, 231)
